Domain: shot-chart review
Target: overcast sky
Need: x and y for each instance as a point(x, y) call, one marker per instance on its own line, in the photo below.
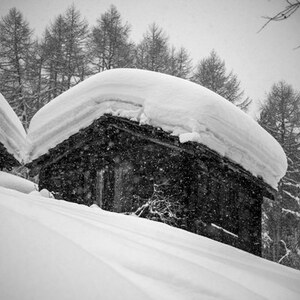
point(228, 26)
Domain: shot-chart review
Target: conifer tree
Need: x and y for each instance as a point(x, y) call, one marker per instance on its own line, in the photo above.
point(52, 45)
point(37, 82)
point(64, 52)
point(211, 73)
point(109, 42)
point(152, 53)
point(180, 63)
point(15, 47)
point(75, 46)
point(280, 116)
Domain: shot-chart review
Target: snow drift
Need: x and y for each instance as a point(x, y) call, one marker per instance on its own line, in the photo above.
point(52, 249)
point(17, 183)
point(182, 108)
point(12, 133)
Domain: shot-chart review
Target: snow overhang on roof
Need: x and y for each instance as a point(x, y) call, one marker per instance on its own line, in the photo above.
point(180, 107)
point(12, 133)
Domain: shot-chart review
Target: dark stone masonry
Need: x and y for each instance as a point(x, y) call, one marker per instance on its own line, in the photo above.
point(120, 165)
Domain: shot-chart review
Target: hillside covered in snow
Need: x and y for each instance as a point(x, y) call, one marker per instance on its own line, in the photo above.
point(52, 249)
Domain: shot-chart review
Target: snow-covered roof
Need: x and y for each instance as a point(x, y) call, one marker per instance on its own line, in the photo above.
point(17, 183)
point(12, 133)
point(185, 109)
point(54, 249)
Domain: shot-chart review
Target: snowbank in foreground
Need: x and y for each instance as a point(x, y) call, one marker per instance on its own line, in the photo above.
point(12, 133)
point(53, 249)
point(183, 108)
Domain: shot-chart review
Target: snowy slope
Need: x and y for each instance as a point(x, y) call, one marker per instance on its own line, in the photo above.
point(12, 133)
point(17, 183)
point(52, 249)
point(178, 106)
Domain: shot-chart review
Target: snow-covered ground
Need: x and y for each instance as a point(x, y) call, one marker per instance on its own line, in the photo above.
point(52, 249)
point(12, 133)
point(183, 108)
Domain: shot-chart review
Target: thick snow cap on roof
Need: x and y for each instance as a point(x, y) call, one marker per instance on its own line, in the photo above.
point(17, 183)
point(185, 109)
point(12, 133)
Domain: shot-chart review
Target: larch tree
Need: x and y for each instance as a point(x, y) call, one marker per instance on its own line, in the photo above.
point(212, 74)
point(37, 81)
point(75, 46)
point(280, 116)
point(65, 52)
point(180, 63)
point(53, 50)
point(109, 45)
point(15, 47)
point(152, 53)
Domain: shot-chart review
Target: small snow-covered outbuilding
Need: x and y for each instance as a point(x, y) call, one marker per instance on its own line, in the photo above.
point(123, 135)
point(12, 136)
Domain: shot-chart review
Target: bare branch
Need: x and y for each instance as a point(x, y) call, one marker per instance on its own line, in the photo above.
point(287, 252)
point(284, 14)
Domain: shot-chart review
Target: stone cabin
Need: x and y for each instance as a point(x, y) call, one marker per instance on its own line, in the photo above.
point(128, 153)
point(7, 160)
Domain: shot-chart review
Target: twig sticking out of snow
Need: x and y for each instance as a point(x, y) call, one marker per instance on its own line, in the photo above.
point(287, 251)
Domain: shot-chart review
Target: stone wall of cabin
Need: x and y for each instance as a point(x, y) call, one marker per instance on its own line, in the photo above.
point(7, 160)
point(117, 170)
